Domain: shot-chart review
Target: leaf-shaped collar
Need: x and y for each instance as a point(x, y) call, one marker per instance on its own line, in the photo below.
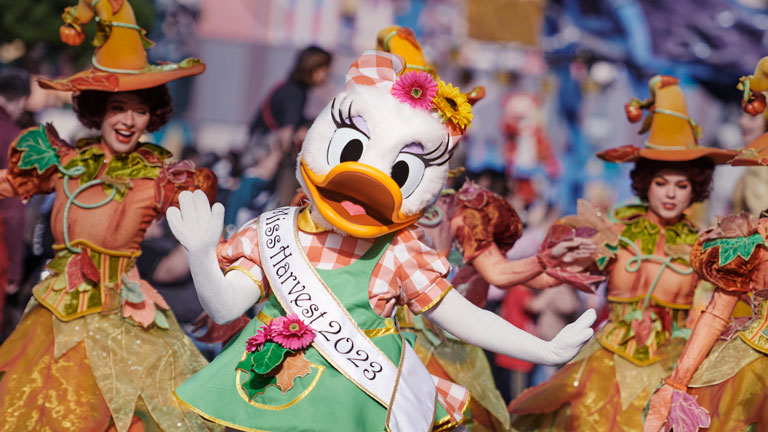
point(638, 227)
point(144, 162)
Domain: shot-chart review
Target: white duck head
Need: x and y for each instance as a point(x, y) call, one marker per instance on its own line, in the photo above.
point(377, 156)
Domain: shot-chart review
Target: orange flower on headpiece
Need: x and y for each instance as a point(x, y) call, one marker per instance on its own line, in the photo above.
point(453, 105)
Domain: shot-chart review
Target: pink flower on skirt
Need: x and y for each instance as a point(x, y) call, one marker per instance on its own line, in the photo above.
point(291, 332)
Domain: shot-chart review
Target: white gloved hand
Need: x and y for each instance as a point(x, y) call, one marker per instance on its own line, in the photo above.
point(567, 343)
point(195, 224)
point(198, 227)
point(493, 333)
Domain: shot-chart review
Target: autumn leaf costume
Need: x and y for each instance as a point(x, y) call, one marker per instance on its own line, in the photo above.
point(98, 347)
point(650, 291)
point(719, 381)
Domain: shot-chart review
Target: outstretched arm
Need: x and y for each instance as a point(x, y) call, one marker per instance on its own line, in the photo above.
point(708, 328)
point(491, 332)
point(503, 273)
point(198, 228)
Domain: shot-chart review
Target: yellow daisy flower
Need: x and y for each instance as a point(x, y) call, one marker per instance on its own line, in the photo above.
point(453, 105)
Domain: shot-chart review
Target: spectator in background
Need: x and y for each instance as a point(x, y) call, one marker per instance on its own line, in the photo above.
point(14, 91)
point(281, 117)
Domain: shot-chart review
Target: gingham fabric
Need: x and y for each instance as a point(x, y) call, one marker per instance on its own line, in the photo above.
point(410, 273)
point(453, 397)
point(375, 68)
point(381, 69)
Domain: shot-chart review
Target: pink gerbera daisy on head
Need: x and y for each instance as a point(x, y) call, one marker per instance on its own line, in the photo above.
point(257, 341)
point(291, 332)
point(415, 88)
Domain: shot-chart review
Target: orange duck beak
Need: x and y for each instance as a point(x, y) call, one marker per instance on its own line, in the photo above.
point(357, 199)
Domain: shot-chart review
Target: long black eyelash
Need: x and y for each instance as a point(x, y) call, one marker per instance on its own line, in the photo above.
point(340, 120)
point(441, 158)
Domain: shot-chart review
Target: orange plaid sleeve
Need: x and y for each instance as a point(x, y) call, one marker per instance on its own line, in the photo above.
point(241, 252)
point(421, 272)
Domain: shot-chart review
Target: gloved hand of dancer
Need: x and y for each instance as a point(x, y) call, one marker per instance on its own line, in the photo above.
point(659, 409)
point(572, 255)
point(197, 226)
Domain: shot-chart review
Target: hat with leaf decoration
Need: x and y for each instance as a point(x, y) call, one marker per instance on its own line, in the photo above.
point(672, 134)
point(119, 61)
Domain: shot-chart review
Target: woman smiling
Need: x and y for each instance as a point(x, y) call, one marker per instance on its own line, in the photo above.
point(98, 348)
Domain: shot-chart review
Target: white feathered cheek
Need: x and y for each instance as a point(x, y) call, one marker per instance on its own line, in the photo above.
point(367, 171)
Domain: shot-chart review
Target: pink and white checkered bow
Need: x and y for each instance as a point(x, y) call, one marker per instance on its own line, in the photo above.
point(381, 69)
point(375, 68)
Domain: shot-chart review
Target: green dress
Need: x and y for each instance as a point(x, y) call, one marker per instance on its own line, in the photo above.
point(323, 400)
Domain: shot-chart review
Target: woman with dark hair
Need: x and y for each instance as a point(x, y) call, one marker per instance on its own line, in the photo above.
point(719, 380)
point(650, 283)
point(98, 348)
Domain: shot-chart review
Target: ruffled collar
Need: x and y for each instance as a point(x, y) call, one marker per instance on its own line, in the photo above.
point(678, 237)
point(144, 162)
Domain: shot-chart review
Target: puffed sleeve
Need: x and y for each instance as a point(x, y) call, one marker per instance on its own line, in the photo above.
point(421, 272)
point(486, 218)
point(32, 162)
point(176, 177)
point(241, 253)
point(732, 254)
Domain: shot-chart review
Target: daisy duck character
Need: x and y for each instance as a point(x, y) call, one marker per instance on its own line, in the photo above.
point(325, 352)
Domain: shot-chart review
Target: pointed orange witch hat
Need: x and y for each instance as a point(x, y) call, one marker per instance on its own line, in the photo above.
point(119, 62)
point(754, 87)
point(673, 134)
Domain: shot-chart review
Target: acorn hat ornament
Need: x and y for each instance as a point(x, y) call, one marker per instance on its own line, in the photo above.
point(672, 134)
point(378, 154)
point(119, 61)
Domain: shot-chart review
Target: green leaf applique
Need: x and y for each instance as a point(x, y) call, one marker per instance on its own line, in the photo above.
point(160, 319)
point(37, 152)
point(131, 291)
point(270, 356)
point(733, 247)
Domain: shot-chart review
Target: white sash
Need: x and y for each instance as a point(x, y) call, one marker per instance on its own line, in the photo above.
point(406, 390)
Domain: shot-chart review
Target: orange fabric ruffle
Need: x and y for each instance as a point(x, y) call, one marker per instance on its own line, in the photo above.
point(579, 397)
point(739, 401)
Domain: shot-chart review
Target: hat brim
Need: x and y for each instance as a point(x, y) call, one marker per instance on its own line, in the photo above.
point(630, 153)
point(94, 79)
point(754, 154)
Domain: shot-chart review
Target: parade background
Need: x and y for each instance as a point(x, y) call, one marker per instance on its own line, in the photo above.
point(557, 75)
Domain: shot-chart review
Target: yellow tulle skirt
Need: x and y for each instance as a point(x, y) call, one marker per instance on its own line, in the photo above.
point(597, 391)
point(95, 373)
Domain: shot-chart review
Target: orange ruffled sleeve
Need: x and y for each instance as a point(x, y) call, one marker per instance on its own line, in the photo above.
point(486, 219)
point(176, 177)
point(38, 179)
point(731, 254)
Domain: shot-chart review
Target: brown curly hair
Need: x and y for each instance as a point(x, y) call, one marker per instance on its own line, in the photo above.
point(91, 105)
point(699, 172)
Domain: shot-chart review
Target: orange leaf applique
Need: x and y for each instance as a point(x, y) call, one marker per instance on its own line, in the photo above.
point(294, 366)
